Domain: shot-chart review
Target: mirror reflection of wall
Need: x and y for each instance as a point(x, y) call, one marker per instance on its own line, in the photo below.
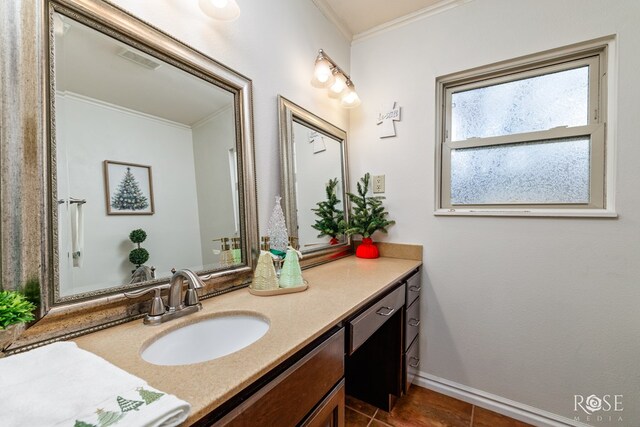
point(116, 103)
point(317, 159)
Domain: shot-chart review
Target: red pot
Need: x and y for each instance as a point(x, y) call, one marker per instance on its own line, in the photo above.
point(367, 249)
point(334, 241)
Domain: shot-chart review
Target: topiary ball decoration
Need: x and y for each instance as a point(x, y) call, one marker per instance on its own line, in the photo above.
point(138, 256)
point(138, 236)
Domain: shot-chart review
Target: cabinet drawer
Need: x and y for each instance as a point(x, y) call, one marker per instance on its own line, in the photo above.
point(414, 284)
point(412, 323)
point(363, 326)
point(412, 364)
point(287, 399)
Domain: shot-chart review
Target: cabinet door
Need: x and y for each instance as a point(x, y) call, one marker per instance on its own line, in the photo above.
point(286, 401)
point(330, 413)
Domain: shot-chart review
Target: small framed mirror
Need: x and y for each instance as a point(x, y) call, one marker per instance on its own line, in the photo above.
point(313, 158)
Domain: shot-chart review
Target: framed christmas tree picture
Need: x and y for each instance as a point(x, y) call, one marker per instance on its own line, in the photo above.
point(128, 188)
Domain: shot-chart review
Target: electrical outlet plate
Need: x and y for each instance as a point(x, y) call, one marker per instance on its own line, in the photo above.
point(378, 184)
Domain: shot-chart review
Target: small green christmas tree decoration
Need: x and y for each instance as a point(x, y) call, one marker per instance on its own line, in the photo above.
point(277, 231)
point(368, 214)
point(128, 196)
point(127, 405)
point(330, 220)
point(264, 276)
point(14, 308)
point(139, 255)
point(79, 423)
point(291, 274)
point(149, 396)
point(107, 418)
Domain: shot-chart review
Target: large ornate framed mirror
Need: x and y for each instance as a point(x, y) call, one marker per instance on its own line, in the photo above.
point(313, 152)
point(146, 165)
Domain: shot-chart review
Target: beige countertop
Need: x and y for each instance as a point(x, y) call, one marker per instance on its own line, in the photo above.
point(336, 290)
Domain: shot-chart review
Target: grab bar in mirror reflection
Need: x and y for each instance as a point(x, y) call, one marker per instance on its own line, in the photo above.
point(72, 201)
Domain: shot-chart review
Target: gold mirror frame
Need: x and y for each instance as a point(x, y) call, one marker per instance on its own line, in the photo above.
point(288, 112)
point(28, 228)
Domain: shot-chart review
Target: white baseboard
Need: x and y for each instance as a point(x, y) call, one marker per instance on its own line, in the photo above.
point(510, 408)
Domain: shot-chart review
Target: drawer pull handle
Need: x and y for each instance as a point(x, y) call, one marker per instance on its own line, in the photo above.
point(388, 313)
point(415, 288)
point(416, 364)
point(414, 322)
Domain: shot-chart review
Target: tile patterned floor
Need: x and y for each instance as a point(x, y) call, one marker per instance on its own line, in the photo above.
point(425, 408)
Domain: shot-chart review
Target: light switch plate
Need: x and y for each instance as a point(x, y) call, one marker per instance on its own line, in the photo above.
point(378, 184)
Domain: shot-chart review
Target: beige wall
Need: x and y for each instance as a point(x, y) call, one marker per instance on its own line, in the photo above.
point(534, 310)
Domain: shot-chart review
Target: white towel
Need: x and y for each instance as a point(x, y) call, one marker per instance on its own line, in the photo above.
point(77, 234)
point(63, 385)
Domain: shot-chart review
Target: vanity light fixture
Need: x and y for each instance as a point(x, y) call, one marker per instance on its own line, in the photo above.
point(221, 10)
point(327, 75)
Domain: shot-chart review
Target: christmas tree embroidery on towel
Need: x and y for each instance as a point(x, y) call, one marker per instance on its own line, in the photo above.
point(119, 408)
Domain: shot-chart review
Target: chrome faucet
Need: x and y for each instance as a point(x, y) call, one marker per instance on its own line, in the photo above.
point(176, 305)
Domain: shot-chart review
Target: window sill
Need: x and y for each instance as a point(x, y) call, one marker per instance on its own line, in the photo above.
point(552, 213)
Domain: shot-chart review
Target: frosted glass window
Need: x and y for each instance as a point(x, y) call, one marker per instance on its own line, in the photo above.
point(526, 105)
point(553, 172)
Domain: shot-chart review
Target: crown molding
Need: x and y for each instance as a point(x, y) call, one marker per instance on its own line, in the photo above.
point(331, 15)
point(434, 9)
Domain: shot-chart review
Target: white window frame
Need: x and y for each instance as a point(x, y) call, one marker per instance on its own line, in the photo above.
point(597, 54)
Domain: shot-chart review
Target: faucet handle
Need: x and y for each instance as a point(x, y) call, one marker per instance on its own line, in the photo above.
point(157, 305)
point(191, 296)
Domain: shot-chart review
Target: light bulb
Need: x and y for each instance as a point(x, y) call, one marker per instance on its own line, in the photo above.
point(339, 85)
point(322, 73)
point(222, 10)
point(350, 98)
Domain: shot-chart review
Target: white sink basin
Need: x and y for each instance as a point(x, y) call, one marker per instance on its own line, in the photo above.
point(206, 340)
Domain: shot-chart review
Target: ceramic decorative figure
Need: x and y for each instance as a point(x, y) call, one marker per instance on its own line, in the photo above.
point(368, 216)
point(264, 277)
point(291, 274)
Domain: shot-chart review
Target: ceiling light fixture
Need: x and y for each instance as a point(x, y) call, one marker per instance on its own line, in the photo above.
point(326, 74)
point(222, 10)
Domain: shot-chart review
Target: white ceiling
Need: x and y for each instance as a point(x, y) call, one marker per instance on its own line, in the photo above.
point(354, 17)
point(88, 64)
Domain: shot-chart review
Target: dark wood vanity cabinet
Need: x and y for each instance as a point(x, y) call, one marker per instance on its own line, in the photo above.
point(375, 349)
point(411, 362)
point(374, 358)
point(383, 345)
point(309, 392)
